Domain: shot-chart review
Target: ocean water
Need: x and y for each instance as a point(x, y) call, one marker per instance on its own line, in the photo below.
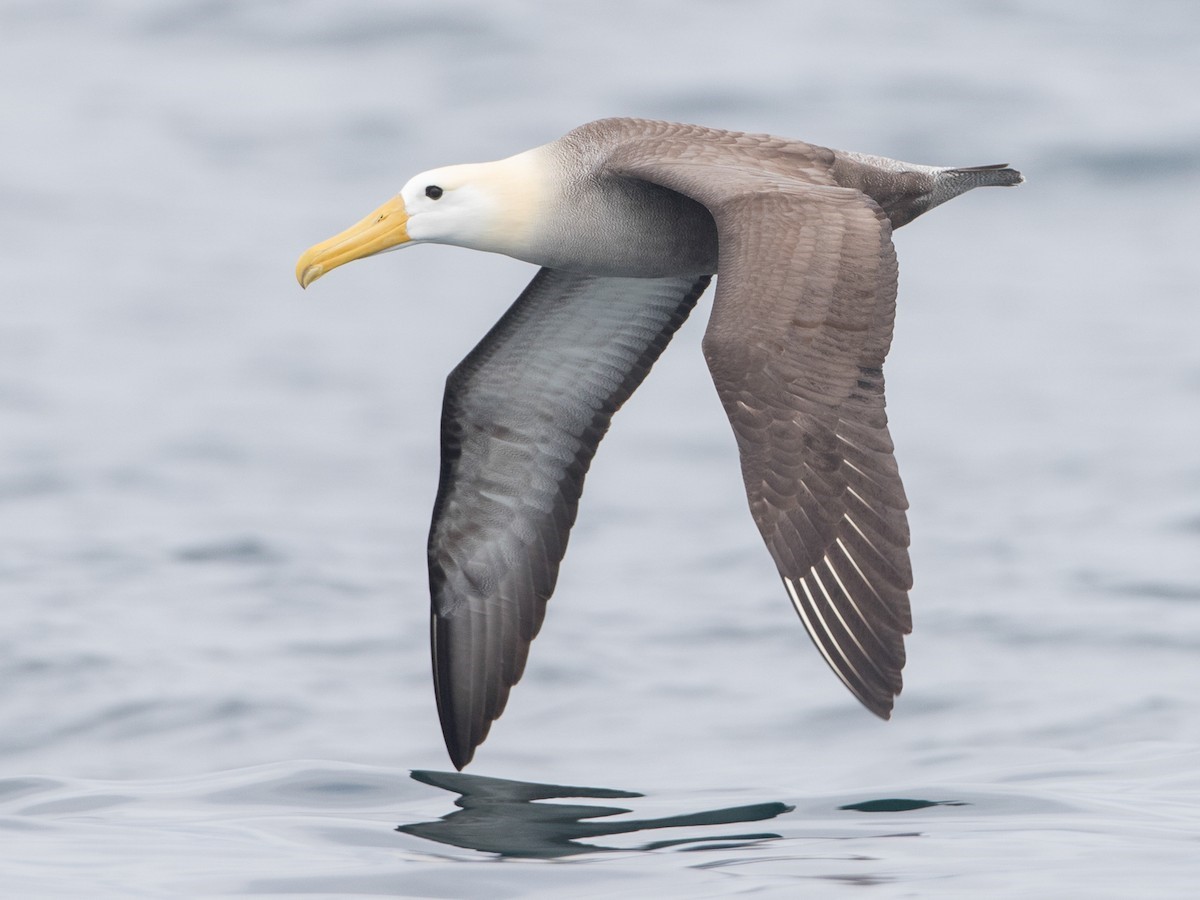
point(215, 489)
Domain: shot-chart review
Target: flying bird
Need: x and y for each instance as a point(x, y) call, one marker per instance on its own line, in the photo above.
point(629, 220)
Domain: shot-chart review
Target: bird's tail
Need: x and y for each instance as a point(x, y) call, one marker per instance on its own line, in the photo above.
point(995, 175)
point(949, 183)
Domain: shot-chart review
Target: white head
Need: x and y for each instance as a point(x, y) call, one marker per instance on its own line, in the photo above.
point(484, 206)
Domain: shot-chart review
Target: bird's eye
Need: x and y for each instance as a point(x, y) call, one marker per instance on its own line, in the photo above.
point(433, 192)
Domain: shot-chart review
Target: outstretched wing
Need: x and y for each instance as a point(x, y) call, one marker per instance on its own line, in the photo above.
point(522, 417)
point(801, 324)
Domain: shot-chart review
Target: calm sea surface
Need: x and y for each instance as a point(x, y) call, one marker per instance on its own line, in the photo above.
point(215, 489)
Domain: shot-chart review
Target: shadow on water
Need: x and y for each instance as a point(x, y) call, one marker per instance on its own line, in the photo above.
point(898, 804)
point(500, 816)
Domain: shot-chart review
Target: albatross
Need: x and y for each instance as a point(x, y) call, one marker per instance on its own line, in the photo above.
point(629, 220)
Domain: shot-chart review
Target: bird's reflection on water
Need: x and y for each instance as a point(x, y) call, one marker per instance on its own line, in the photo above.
point(500, 816)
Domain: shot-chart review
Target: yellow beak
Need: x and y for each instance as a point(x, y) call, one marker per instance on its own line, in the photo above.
point(383, 229)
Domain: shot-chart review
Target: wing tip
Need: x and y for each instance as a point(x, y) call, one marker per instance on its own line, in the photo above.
point(454, 726)
point(880, 707)
point(460, 754)
point(879, 703)
point(460, 748)
point(878, 697)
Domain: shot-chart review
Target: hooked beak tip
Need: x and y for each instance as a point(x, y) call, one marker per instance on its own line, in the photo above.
point(307, 274)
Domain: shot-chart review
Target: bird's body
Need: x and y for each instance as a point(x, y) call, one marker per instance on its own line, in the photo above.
point(629, 219)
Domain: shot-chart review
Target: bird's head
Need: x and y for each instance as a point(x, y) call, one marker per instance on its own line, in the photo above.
point(482, 206)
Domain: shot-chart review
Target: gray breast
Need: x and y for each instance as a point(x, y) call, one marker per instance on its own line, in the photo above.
point(617, 226)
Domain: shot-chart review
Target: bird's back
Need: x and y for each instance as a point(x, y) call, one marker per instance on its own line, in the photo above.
point(903, 190)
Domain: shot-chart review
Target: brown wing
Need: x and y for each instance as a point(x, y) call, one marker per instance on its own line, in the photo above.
point(801, 324)
point(522, 417)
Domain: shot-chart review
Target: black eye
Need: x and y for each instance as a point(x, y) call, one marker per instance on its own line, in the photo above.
point(433, 192)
